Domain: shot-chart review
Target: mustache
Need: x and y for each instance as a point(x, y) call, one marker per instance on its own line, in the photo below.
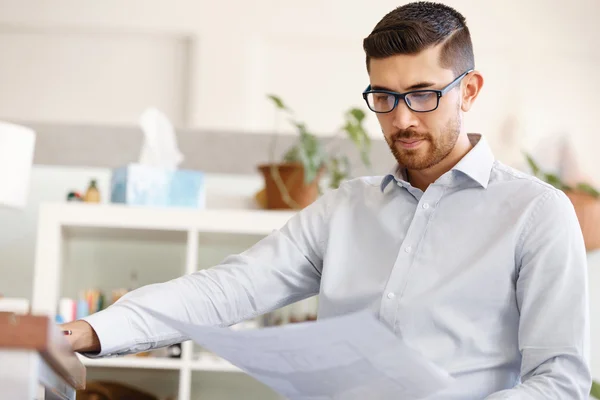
point(408, 134)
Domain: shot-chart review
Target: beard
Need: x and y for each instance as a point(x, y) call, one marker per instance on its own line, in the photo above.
point(430, 153)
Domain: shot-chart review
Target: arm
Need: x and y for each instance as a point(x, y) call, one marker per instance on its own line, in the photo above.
point(282, 268)
point(552, 296)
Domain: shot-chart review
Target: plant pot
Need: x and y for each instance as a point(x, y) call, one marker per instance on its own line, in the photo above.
point(587, 208)
point(292, 180)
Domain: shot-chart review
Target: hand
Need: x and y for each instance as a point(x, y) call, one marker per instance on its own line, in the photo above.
point(83, 339)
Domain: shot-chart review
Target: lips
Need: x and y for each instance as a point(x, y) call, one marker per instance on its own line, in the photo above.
point(410, 143)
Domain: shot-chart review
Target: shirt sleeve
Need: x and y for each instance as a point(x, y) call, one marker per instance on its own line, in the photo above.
point(283, 268)
point(552, 296)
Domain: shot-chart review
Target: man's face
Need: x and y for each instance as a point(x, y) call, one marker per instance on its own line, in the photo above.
point(418, 140)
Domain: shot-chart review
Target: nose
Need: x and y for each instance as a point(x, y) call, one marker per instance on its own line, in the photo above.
point(404, 117)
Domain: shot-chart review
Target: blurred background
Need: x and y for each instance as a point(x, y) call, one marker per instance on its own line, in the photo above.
point(82, 73)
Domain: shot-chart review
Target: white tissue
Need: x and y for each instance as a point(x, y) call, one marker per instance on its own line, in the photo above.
point(159, 148)
point(17, 145)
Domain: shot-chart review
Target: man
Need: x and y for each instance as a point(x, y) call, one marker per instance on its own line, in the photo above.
point(477, 266)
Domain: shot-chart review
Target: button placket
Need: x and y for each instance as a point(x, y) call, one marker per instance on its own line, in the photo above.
point(404, 264)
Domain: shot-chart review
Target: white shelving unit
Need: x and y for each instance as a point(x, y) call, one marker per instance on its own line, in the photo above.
point(207, 362)
point(60, 222)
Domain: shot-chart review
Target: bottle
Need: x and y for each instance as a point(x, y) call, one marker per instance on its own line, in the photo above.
point(92, 195)
point(174, 351)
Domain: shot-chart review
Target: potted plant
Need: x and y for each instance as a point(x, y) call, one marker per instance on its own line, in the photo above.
point(585, 201)
point(294, 183)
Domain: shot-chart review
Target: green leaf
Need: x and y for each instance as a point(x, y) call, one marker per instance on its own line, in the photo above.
point(309, 151)
point(339, 170)
point(595, 392)
point(299, 154)
point(554, 181)
point(358, 114)
point(310, 173)
point(278, 102)
point(589, 189)
point(292, 155)
point(358, 134)
point(535, 169)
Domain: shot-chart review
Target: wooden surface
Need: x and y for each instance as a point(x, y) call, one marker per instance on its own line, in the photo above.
point(40, 334)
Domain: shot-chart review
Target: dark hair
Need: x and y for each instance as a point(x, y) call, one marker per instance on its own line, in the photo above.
point(414, 27)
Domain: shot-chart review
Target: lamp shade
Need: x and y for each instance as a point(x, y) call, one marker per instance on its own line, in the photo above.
point(17, 145)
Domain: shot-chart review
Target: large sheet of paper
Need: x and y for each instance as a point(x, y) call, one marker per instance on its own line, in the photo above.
point(348, 357)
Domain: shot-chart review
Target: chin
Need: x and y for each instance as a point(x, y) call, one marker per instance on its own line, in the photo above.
point(414, 159)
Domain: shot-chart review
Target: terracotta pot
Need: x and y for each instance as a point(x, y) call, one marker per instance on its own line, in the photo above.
point(292, 177)
point(587, 209)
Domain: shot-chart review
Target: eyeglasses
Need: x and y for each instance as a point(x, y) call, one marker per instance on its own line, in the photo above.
point(385, 101)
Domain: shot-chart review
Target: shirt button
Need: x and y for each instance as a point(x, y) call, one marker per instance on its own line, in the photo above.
point(426, 206)
point(408, 249)
point(391, 295)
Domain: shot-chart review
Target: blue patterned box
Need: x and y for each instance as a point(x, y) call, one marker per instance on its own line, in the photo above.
point(143, 185)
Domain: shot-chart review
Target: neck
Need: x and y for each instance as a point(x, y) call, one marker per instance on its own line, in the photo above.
point(425, 177)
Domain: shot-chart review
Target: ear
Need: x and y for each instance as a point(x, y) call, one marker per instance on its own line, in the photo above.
point(472, 85)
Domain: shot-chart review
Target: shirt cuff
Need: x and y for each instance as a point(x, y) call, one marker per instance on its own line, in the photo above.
point(113, 331)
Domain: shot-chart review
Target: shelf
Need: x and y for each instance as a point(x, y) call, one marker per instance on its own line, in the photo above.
point(124, 234)
point(206, 362)
point(80, 219)
point(132, 362)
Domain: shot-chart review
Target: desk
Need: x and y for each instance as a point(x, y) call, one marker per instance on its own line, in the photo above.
point(36, 361)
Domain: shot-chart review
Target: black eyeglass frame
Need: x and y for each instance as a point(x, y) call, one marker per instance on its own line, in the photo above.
point(398, 96)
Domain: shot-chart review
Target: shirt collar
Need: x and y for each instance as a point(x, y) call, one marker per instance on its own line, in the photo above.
point(476, 164)
point(397, 174)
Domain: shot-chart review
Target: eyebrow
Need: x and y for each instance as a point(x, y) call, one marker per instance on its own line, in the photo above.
point(416, 86)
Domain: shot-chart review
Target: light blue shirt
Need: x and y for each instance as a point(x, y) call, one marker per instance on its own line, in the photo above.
point(484, 273)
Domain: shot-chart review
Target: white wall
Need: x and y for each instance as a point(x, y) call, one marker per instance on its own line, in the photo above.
point(101, 77)
point(539, 58)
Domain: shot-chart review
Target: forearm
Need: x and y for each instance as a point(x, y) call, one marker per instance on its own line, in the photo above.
point(269, 275)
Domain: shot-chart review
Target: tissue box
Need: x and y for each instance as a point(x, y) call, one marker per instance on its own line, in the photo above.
point(143, 185)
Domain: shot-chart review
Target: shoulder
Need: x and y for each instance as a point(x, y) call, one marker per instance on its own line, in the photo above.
point(502, 173)
point(548, 215)
point(528, 187)
point(546, 207)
